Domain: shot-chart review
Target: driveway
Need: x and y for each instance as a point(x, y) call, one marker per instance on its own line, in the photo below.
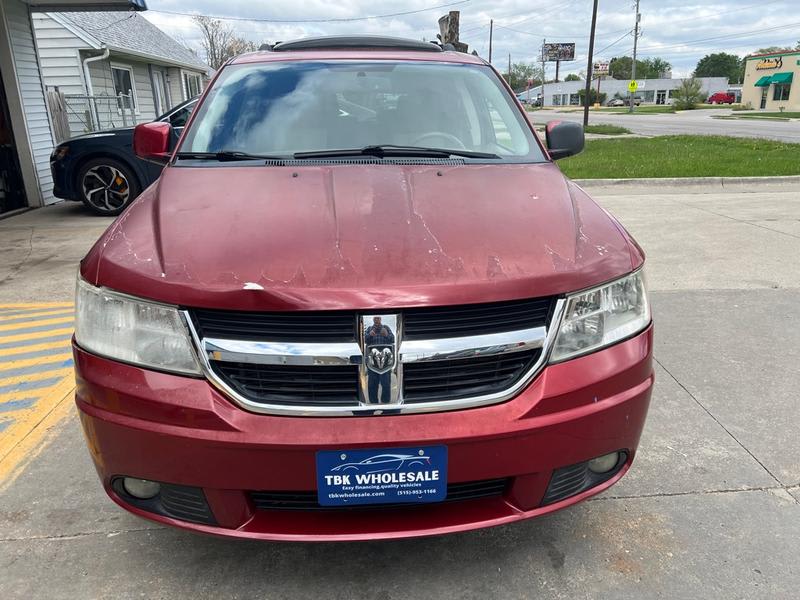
point(710, 509)
point(693, 122)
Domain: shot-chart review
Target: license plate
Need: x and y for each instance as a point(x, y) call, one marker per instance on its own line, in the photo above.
point(382, 476)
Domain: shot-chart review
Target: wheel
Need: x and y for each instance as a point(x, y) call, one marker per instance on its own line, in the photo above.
point(107, 186)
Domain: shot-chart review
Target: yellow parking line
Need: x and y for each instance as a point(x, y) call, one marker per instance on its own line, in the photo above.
point(31, 377)
point(35, 347)
point(35, 305)
point(34, 315)
point(34, 336)
point(26, 438)
point(57, 321)
point(29, 362)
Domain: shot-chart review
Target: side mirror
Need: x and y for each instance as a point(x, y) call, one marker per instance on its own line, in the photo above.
point(564, 139)
point(153, 142)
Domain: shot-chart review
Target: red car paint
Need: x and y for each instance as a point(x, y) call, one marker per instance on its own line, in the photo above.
point(360, 237)
point(721, 98)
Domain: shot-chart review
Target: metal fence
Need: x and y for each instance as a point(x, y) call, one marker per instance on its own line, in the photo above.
point(76, 114)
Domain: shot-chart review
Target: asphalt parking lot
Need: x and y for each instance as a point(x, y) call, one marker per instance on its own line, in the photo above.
point(710, 509)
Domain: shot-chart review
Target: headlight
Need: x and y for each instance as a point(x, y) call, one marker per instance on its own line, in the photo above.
point(602, 316)
point(58, 153)
point(134, 331)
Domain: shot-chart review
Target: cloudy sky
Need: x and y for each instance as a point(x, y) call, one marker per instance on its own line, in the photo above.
point(681, 31)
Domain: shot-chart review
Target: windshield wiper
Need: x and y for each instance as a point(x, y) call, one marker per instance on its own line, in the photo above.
point(390, 151)
point(227, 155)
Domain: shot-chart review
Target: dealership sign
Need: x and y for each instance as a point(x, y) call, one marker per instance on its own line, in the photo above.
point(600, 68)
point(554, 52)
point(769, 63)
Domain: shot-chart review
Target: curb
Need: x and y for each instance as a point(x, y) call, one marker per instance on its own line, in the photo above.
point(690, 181)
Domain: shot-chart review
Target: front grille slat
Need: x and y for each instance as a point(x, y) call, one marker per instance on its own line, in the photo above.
point(276, 327)
point(452, 379)
point(292, 385)
point(307, 500)
point(495, 317)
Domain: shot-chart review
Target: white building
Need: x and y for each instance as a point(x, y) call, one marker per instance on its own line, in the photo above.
point(651, 91)
point(93, 57)
point(26, 133)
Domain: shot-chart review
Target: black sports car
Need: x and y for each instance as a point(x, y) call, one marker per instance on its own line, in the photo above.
point(101, 169)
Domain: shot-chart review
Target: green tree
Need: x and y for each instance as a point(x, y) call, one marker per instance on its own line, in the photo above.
point(721, 64)
point(771, 50)
point(520, 74)
point(653, 68)
point(649, 68)
point(572, 77)
point(688, 94)
point(593, 98)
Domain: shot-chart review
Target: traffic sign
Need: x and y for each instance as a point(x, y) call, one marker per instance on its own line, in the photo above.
point(633, 85)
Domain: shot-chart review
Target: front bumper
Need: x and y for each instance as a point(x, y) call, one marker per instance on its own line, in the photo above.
point(178, 430)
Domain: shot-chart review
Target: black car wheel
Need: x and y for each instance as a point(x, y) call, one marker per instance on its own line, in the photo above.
point(107, 186)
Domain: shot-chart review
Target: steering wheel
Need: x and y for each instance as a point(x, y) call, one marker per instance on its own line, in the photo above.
point(459, 145)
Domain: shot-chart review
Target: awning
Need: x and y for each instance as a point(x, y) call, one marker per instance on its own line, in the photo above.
point(764, 81)
point(782, 77)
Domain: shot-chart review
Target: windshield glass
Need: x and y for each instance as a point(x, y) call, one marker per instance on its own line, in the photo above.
point(288, 107)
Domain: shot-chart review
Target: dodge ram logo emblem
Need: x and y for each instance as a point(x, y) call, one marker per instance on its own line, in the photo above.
point(379, 342)
point(380, 359)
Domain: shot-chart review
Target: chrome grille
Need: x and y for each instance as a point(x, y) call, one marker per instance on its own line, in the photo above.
point(322, 363)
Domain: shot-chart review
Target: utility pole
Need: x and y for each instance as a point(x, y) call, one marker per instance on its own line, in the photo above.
point(589, 67)
point(635, 45)
point(541, 105)
point(509, 68)
point(491, 28)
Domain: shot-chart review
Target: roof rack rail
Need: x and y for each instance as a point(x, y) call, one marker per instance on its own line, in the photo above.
point(337, 42)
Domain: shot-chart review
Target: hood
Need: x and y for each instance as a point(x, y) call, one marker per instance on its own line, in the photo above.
point(359, 237)
point(100, 134)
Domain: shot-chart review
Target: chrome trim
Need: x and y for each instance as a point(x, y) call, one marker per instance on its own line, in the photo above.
point(397, 408)
point(281, 353)
point(473, 345)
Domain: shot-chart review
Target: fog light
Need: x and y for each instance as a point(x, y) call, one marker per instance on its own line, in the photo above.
point(603, 464)
point(141, 488)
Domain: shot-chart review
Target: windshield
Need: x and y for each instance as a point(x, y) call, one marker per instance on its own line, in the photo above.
point(284, 108)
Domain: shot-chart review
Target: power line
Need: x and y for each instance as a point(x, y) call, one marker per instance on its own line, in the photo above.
point(615, 42)
point(722, 37)
point(334, 20)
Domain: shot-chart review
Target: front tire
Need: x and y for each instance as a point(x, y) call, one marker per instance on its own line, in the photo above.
point(106, 186)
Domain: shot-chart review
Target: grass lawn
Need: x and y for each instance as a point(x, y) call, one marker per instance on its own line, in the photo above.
point(649, 109)
point(606, 129)
point(683, 156)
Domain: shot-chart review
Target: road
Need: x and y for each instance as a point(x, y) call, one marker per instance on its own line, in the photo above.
point(710, 509)
point(694, 122)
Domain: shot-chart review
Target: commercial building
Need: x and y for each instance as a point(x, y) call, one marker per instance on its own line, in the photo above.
point(769, 81)
point(651, 91)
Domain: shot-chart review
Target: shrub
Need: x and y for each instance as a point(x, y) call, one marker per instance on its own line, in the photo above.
point(688, 94)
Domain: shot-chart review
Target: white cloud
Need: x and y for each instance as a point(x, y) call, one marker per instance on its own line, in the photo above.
point(666, 27)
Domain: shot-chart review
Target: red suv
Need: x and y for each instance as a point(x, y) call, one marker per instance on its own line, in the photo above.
point(360, 302)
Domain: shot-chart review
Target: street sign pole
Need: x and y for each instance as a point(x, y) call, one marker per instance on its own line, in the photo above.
point(589, 66)
point(635, 44)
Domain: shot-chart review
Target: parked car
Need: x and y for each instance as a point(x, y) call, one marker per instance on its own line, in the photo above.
point(219, 348)
point(101, 170)
point(721, 98)
point(624, 101)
